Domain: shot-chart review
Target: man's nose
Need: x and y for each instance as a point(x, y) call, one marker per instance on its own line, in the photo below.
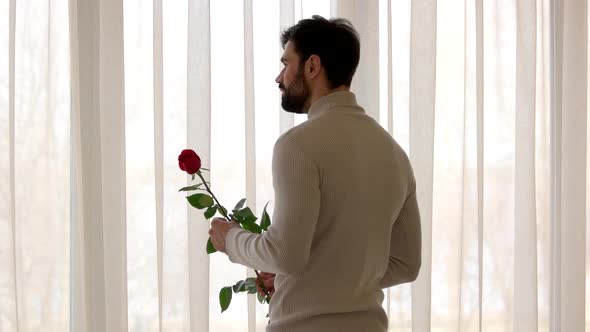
point(279, 78)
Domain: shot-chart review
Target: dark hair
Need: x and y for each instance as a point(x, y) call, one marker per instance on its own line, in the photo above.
point(335, 41)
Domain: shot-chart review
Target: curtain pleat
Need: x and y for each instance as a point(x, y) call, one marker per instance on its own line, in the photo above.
point(158, 55)
point(11, 154)
point(111, 104)
point(250, 135)
point(471, 214)
point(570, 120)
point(452, 175)
point(175, 292)
point(525, 244)
point(9, 304)
point(479, 86)
point(389, 68)
point(198, 124)
point(86, 224)
point(422, 104)
point(400, 304)
point(543, 163)
point(101, 229)
point(287, 19)
point(140, 161)
point(79, 320)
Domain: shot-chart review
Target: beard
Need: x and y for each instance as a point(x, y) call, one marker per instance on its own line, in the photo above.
point(296, 95)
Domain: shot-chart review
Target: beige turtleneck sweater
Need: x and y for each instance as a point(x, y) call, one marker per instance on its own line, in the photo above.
point(345, 222)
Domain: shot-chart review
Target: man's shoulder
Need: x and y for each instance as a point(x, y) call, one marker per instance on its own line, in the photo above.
point(295, 135)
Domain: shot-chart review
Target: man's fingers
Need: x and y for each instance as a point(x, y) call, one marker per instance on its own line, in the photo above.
point(269, 283)
point(217, 220)
point(270, 291)
point(266, 278)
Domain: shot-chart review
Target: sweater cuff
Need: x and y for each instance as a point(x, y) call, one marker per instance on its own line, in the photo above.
point(231, 243)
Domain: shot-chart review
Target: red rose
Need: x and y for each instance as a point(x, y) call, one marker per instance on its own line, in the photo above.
point(189, 161)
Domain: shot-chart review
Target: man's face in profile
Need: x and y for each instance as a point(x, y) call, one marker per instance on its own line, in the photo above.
point(292, 83)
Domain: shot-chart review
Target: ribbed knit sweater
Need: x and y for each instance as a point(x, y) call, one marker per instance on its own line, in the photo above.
point(345, 222)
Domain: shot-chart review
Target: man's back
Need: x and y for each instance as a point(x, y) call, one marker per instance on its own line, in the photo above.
point(363, 179)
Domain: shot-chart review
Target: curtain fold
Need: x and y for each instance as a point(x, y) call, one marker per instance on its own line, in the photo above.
point(8, 259)
point(287, 19)
point(489, 99)
point(198, 131)
point(525, 233)
point(99, 226)
point(176, 292)
point(250, 135)
point(78, 291)
point(570, 135)
point(113, 162)
point(158, 72)
point(423, 53)
point(398, 101)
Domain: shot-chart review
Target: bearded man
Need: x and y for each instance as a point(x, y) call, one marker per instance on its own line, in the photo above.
point(346, 222)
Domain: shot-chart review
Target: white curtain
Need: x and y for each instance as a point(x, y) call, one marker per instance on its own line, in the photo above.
point(98, 97)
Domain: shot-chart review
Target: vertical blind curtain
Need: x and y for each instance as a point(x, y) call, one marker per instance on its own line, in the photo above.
point(97, 98)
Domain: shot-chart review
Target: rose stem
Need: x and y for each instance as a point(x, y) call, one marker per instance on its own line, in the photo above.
point(228, 219)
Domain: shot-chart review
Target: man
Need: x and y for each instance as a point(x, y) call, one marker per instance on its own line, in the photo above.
point(346, 221)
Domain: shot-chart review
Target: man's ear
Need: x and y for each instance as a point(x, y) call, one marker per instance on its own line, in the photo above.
point(314, 66)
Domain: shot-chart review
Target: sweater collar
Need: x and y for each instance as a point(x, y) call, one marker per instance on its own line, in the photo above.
point(336, 99)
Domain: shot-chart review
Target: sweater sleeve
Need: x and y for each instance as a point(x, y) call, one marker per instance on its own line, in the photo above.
point(405, 248)
point(286, 246)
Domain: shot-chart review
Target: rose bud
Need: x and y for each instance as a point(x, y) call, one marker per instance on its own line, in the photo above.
point(189, 161)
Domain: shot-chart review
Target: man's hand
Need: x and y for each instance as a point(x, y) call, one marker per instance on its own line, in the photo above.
point(218, 232)
point(269, 283)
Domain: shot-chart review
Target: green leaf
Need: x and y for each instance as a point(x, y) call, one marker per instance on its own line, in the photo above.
point(190, 188)
point(192, 177)
point(210, 212)
point(200, 201)
point(210, 247)
point(240, 286)
point(206, 200)
point(261, 298)
point(194, 187)
point(265, 221)
point(221, 208)
point(225, 298)
point(251, 281)
point(239, 205)
point(250, 285)
point(252, 227)
point(204, 169)
point(245, 215)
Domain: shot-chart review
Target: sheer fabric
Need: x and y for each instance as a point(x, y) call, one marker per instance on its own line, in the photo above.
point(97, 98)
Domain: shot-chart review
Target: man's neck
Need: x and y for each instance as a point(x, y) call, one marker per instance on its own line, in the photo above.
point(322, 92)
